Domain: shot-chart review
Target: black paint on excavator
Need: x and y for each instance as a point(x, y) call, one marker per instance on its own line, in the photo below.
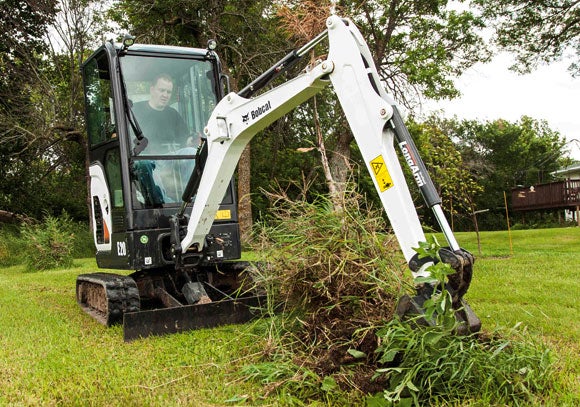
point(151, 302)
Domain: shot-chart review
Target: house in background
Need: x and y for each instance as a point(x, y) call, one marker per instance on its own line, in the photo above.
point(571, 172)
point(560, 195)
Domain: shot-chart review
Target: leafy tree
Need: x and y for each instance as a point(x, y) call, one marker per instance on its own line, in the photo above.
point(535, 31)
point(41, 117)
point(418, 47)
point(502, 155)
point(22, 29)
point(455, 184)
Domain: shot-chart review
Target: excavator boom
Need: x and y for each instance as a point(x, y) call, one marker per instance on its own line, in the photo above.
point(371, 113)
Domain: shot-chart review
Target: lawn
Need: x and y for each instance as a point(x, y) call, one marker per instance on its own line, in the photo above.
point(538, 287)
point(53, 354)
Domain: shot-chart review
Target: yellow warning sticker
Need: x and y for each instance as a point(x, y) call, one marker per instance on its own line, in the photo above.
point(381, 173)
point(223, 214)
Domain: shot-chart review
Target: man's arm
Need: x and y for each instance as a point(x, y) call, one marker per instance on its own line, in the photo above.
point(180, 129)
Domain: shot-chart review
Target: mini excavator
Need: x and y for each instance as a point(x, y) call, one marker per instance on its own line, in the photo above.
point(162, 199)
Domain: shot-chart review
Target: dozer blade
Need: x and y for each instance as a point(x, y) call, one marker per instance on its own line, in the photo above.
point(164, 321)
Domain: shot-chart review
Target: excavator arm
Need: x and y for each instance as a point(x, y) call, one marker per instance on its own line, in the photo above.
point(369, 110)
point(377, 127)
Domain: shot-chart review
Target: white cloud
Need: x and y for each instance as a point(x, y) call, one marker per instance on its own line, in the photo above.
point(490, 91)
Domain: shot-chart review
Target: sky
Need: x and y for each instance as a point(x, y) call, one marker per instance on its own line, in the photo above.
point(490, 91)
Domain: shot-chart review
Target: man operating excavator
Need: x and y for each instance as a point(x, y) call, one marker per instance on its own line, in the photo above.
point(161, 124)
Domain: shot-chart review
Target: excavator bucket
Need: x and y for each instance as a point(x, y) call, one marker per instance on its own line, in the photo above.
point(412, 308)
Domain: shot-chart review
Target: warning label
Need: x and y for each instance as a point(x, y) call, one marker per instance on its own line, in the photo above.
point(381, 173)
point(223, 214)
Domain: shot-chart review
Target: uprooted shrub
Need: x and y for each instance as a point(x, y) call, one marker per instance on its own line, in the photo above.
point(337, 276)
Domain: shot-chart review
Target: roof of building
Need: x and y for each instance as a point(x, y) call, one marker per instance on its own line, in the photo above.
point(568, 170)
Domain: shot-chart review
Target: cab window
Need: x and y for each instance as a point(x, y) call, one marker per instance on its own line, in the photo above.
point(98, 100)
point(171, 100)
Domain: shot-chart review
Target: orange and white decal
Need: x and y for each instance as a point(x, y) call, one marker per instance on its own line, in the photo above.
point(100, 191)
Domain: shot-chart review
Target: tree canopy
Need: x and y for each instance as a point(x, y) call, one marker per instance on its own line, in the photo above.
point(42, 140)
point(419, 47)
point(501, 155)
point(536, 31)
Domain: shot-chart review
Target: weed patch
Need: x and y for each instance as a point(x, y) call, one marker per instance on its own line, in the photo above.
point(49, 244)
point(423, 365)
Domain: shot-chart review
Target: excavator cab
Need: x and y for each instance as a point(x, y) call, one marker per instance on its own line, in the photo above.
point(135, 188)
point(140, 160)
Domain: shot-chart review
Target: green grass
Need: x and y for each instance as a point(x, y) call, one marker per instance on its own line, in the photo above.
point(538, 286)
point(53, 354)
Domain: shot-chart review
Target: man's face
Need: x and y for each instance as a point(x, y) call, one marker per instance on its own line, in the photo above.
point(160, 94)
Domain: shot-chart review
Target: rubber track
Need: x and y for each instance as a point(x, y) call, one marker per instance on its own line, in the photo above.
point(106, 296)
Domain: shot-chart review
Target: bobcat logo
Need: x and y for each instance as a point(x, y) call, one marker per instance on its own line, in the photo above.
point(257, 112)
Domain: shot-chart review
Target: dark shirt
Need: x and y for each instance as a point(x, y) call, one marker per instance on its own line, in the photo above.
point(165, 129)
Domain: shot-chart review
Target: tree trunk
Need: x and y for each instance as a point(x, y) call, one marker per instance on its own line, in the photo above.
point(330, 182)
point(14, 218)
point(244, 197)
point(476, 225)
point(340, 167)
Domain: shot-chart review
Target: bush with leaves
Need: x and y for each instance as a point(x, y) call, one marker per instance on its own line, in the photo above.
point(423, 364)
point(49, 244)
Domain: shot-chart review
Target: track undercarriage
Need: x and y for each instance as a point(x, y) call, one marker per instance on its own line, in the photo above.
point(163, 301)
